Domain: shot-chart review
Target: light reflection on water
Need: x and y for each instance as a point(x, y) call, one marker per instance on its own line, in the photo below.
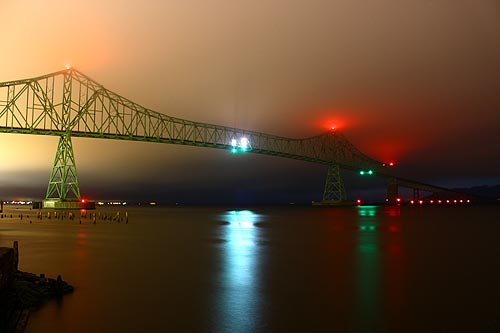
point(238, 298)
point(355, 269)
point(368, 270)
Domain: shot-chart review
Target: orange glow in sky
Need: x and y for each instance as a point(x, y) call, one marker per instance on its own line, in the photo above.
point(340, 118)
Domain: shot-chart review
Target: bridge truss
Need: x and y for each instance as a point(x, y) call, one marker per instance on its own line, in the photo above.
point(70, 104)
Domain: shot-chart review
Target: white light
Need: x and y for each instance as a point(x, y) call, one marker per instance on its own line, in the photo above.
point(233, 142)
point(244, 143)
point(68, 66)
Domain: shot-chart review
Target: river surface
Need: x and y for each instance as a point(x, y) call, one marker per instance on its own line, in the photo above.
point(267, 269)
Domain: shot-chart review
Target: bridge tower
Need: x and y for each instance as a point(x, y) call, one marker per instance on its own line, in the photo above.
point(63, 191)
point(334, 186)
point(63, 183)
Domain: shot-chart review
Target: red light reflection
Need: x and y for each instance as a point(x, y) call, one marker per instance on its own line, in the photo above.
point(393, 228)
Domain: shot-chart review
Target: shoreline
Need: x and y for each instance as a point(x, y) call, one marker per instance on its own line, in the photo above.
point(21, 291)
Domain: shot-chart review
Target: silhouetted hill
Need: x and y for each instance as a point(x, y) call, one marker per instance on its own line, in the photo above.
point(486, 191)
point(483, 193)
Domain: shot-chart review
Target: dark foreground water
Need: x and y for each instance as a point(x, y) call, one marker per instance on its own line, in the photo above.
point(359, 269)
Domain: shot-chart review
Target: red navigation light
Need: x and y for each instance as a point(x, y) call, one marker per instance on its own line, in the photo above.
point(455, 201)
point(439, 201)
point(468, 200)
point(391, 164)
point(432, 201)
point(383, 164)
point(412, 202)
point(358, 201)
point(447, 201)
point(83, 200)
point(461, 201)
point(421, 201)
point(398, 200)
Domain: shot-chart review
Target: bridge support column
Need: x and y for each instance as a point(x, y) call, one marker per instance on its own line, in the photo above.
point(334, 186)
point(63, 183)
point(392, 192)
point(416, 194)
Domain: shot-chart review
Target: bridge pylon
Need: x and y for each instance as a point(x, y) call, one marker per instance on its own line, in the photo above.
point(63, 183)
point(392, 192)
point(334, 186)
point(63, 191)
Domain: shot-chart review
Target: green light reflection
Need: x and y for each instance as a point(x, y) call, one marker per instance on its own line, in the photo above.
point(368, 269)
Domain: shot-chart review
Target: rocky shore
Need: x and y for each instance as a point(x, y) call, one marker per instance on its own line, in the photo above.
point(21, 291)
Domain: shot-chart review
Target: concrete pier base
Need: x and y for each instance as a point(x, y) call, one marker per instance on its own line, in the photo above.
point(67, 204)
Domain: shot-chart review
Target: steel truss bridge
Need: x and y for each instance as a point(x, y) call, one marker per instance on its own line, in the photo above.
point(70, 104)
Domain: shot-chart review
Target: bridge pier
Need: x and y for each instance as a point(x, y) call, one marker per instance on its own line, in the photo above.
point(63, 191)
point(63, 181)
point(334, 186)
point(416, 194)
point(392, 192)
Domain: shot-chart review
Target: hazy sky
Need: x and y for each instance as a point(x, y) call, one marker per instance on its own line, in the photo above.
point(417, 82)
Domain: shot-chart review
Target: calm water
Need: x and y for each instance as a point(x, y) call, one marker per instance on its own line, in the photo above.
point(359, 269)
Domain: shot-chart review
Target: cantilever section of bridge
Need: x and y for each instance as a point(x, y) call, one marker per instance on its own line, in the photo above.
point(70, 104)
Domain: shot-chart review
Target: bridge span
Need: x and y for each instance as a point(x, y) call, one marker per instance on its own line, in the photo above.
point(70, 104)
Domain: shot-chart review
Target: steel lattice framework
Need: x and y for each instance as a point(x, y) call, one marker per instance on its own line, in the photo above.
point(69, 104)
